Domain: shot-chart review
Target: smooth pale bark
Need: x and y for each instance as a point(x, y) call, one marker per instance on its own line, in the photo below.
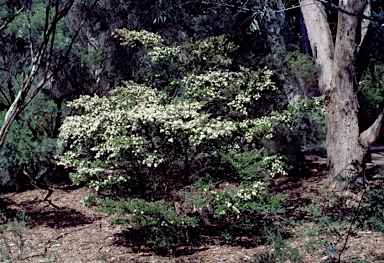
point(363, 55)
point(19, 103)
point(320, 37)
point(336, 65)
point(365, 22)
point(4, 26)
point(343, 144)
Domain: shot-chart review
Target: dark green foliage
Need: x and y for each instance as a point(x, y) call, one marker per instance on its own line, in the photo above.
point(303, 72)
point(230, 211)
point(12, 246)
point(28, 155)
point(371, 214)
point(299, 69)
point(194, 57)
point(163, 224)
point(157, 155)
point(371, 96)
point(244, 166)
point(305, 128)
point(173, 224)
point(219, 185)
point(278, 240)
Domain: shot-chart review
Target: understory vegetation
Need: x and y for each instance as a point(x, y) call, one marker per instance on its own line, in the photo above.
point(199, 151)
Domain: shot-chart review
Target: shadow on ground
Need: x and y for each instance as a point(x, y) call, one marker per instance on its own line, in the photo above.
point(140, 241)
point(57, 218)
point(302, 187)
point(39, 213)
point(8, 209)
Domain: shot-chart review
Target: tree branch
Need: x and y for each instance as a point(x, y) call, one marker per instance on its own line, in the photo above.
point(320, 38)
point(325, 2)
point(370, 135)
point(361, 15)
point(2, 27)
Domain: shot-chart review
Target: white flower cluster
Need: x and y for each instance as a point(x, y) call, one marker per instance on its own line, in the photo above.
point(138, 124)
point(315, 104)
point(152, 159)
point(265, 126)
point(236, 198)
point(275, 164)
point(210, 86)
point(242, 100)
point(238, 90)
point(162, 52)
point(131, 37)
point(205, 48)
point(110, 179)
point(247, 193)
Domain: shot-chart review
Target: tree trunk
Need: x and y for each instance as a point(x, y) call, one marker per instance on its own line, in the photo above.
point(337, 77)
point(343, 143)
point(363, 57)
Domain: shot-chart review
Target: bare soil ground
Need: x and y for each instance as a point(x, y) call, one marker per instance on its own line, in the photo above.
point(63, 230)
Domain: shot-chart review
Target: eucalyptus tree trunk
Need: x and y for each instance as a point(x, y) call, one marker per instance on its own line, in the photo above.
point(346, 146)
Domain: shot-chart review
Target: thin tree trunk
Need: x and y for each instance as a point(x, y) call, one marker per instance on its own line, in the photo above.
point(44, 51)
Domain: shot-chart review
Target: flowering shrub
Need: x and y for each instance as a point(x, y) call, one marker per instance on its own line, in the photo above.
point(193, 119)
point(237, 208)
point(306, 118)
point(248, 197)
point(139, 132)
point(132, 38)
point(133, 132)
point(234, 94)
point(286, 132)
point(253, 165)
point(211, 53)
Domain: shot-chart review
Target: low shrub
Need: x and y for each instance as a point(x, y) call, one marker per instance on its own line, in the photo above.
point(162, 223)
